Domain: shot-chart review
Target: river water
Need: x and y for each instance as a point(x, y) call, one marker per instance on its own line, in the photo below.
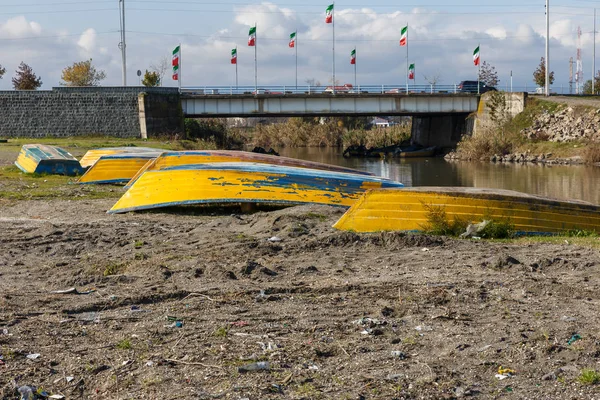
point(557, 181)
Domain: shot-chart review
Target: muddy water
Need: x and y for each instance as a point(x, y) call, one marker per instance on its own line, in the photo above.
point(562, 182)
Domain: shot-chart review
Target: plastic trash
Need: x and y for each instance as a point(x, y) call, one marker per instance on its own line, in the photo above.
point(574, 338)
point(399, 354)
point(257, 366)
point(33, 356)
point(274, 239)
point(27, 392)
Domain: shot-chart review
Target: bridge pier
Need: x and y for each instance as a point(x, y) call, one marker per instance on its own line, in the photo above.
point(439, 130)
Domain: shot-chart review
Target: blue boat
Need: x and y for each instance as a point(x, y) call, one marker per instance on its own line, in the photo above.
point(44, 159)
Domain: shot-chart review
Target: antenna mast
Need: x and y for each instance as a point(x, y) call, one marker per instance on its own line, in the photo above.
point(571, 62)
point(579, 73)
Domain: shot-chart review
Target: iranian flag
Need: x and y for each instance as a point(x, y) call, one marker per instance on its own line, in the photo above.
point(411, 71)
point(234, 56)
point(252, 36)
point(476, 56)
point(329, 14)
point(353, 57)
point(292, 39)
point(176, 56)
point(404, 36)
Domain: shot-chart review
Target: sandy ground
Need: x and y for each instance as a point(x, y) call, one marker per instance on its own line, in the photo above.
point(182, 300)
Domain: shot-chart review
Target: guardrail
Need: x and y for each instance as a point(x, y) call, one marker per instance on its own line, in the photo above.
point(381, 89)
point(307, 89)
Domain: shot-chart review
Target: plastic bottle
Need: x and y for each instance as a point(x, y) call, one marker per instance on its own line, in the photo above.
point(257, 366)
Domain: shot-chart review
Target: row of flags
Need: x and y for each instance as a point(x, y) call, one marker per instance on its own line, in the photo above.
point(292, 44)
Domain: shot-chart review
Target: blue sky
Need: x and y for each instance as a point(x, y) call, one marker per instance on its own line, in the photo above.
point(51, 34)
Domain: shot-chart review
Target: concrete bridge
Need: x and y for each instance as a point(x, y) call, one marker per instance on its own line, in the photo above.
point(438, 118)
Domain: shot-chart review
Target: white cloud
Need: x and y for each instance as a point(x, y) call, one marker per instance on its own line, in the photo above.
point(87, 40)
point(19, 27)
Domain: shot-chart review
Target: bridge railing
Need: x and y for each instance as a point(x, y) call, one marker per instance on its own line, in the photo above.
point(307, 89)
point(342, 89)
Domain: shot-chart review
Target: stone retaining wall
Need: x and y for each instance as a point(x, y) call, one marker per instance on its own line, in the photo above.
point(79, 111)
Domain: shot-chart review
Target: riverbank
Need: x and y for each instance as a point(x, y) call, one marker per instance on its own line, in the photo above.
point(546, 132)
point(330, 314)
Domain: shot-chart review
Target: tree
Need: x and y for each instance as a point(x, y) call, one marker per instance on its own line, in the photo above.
point(2, 71)
point(161, 69)
point(151, 79)
point(433, 79)
point(82, 73)
point(488, 74)
point(25, 78)
point(539, 75)
point(587, 86)
point(312, 82)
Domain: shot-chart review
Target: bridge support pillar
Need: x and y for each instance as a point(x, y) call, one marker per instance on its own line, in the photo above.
point(439, 130)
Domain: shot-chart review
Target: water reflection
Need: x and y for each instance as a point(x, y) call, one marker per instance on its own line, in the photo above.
point(563, 182)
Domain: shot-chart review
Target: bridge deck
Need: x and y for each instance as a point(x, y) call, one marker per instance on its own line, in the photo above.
point(326, 104)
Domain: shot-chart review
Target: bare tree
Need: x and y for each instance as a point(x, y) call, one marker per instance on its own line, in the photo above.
point(161, 68)
point(433, 79)
point(2, 71)
point(312, 82)
point(488, 74)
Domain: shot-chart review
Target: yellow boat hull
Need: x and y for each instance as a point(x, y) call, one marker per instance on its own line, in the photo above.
point(116, 168)
point(244, 183)
point(92, 156)
point(407, 209)
point(176, 158)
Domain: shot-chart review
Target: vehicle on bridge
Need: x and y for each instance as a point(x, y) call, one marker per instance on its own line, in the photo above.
point(265, 91)
point(471, 87)
point(347, 88)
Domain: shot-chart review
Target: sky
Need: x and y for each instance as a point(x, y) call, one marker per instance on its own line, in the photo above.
point(52, 34)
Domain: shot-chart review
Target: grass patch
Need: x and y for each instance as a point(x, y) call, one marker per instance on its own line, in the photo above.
point(221, 331)
point(589, 377)
point(17, 185)
point(124, 344)
point(114, 269)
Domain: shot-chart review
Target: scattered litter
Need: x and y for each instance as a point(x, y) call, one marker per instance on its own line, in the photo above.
point(137, 309)
point(149, 363)
point(261, 296)
point(424, 249)
point(27, 392)
point(472, 229)
point(5, 331)
point(275, 239)
point(257, 366)
point(423, 328)
point(268, 347)
point(399, 354)
point(484, 348)
point(33, 356)
point(90, 317)
point(574, 338)
point(566, 318)
point(72, 291)
point(240, 324)
point(313, 367)
point(176, 324)
point(502, 376)
point(504, 371)
point(57, 397)
point(369, 325)
point(69, 379)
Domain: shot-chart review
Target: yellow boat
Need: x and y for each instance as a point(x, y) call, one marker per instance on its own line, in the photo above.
point(117, 168)
point(175, 158)
point(91, 156)
point(407, 209)
point(216, 183)
point(44, 159)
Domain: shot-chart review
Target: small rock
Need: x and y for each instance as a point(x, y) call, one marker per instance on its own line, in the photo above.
point(549, 377)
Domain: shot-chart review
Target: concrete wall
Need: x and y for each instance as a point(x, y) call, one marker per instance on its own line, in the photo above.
point(111, 111)
point(514, 104)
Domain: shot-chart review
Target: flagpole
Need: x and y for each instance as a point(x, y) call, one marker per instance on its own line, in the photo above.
point(180, 65)
point(296, 46)
point(407, 66)
point(255, 62)
point(236, 69)
point(479, 68)
point(355, 87)
point(333, 48)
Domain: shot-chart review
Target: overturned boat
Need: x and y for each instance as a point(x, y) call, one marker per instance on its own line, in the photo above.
point(176, 158)
point(409, 209)
point(117, 168)
point(92, 156)
point(45, 159)
point(217, 183)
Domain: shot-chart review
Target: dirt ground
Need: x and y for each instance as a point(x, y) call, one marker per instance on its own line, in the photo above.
point(180, 301)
